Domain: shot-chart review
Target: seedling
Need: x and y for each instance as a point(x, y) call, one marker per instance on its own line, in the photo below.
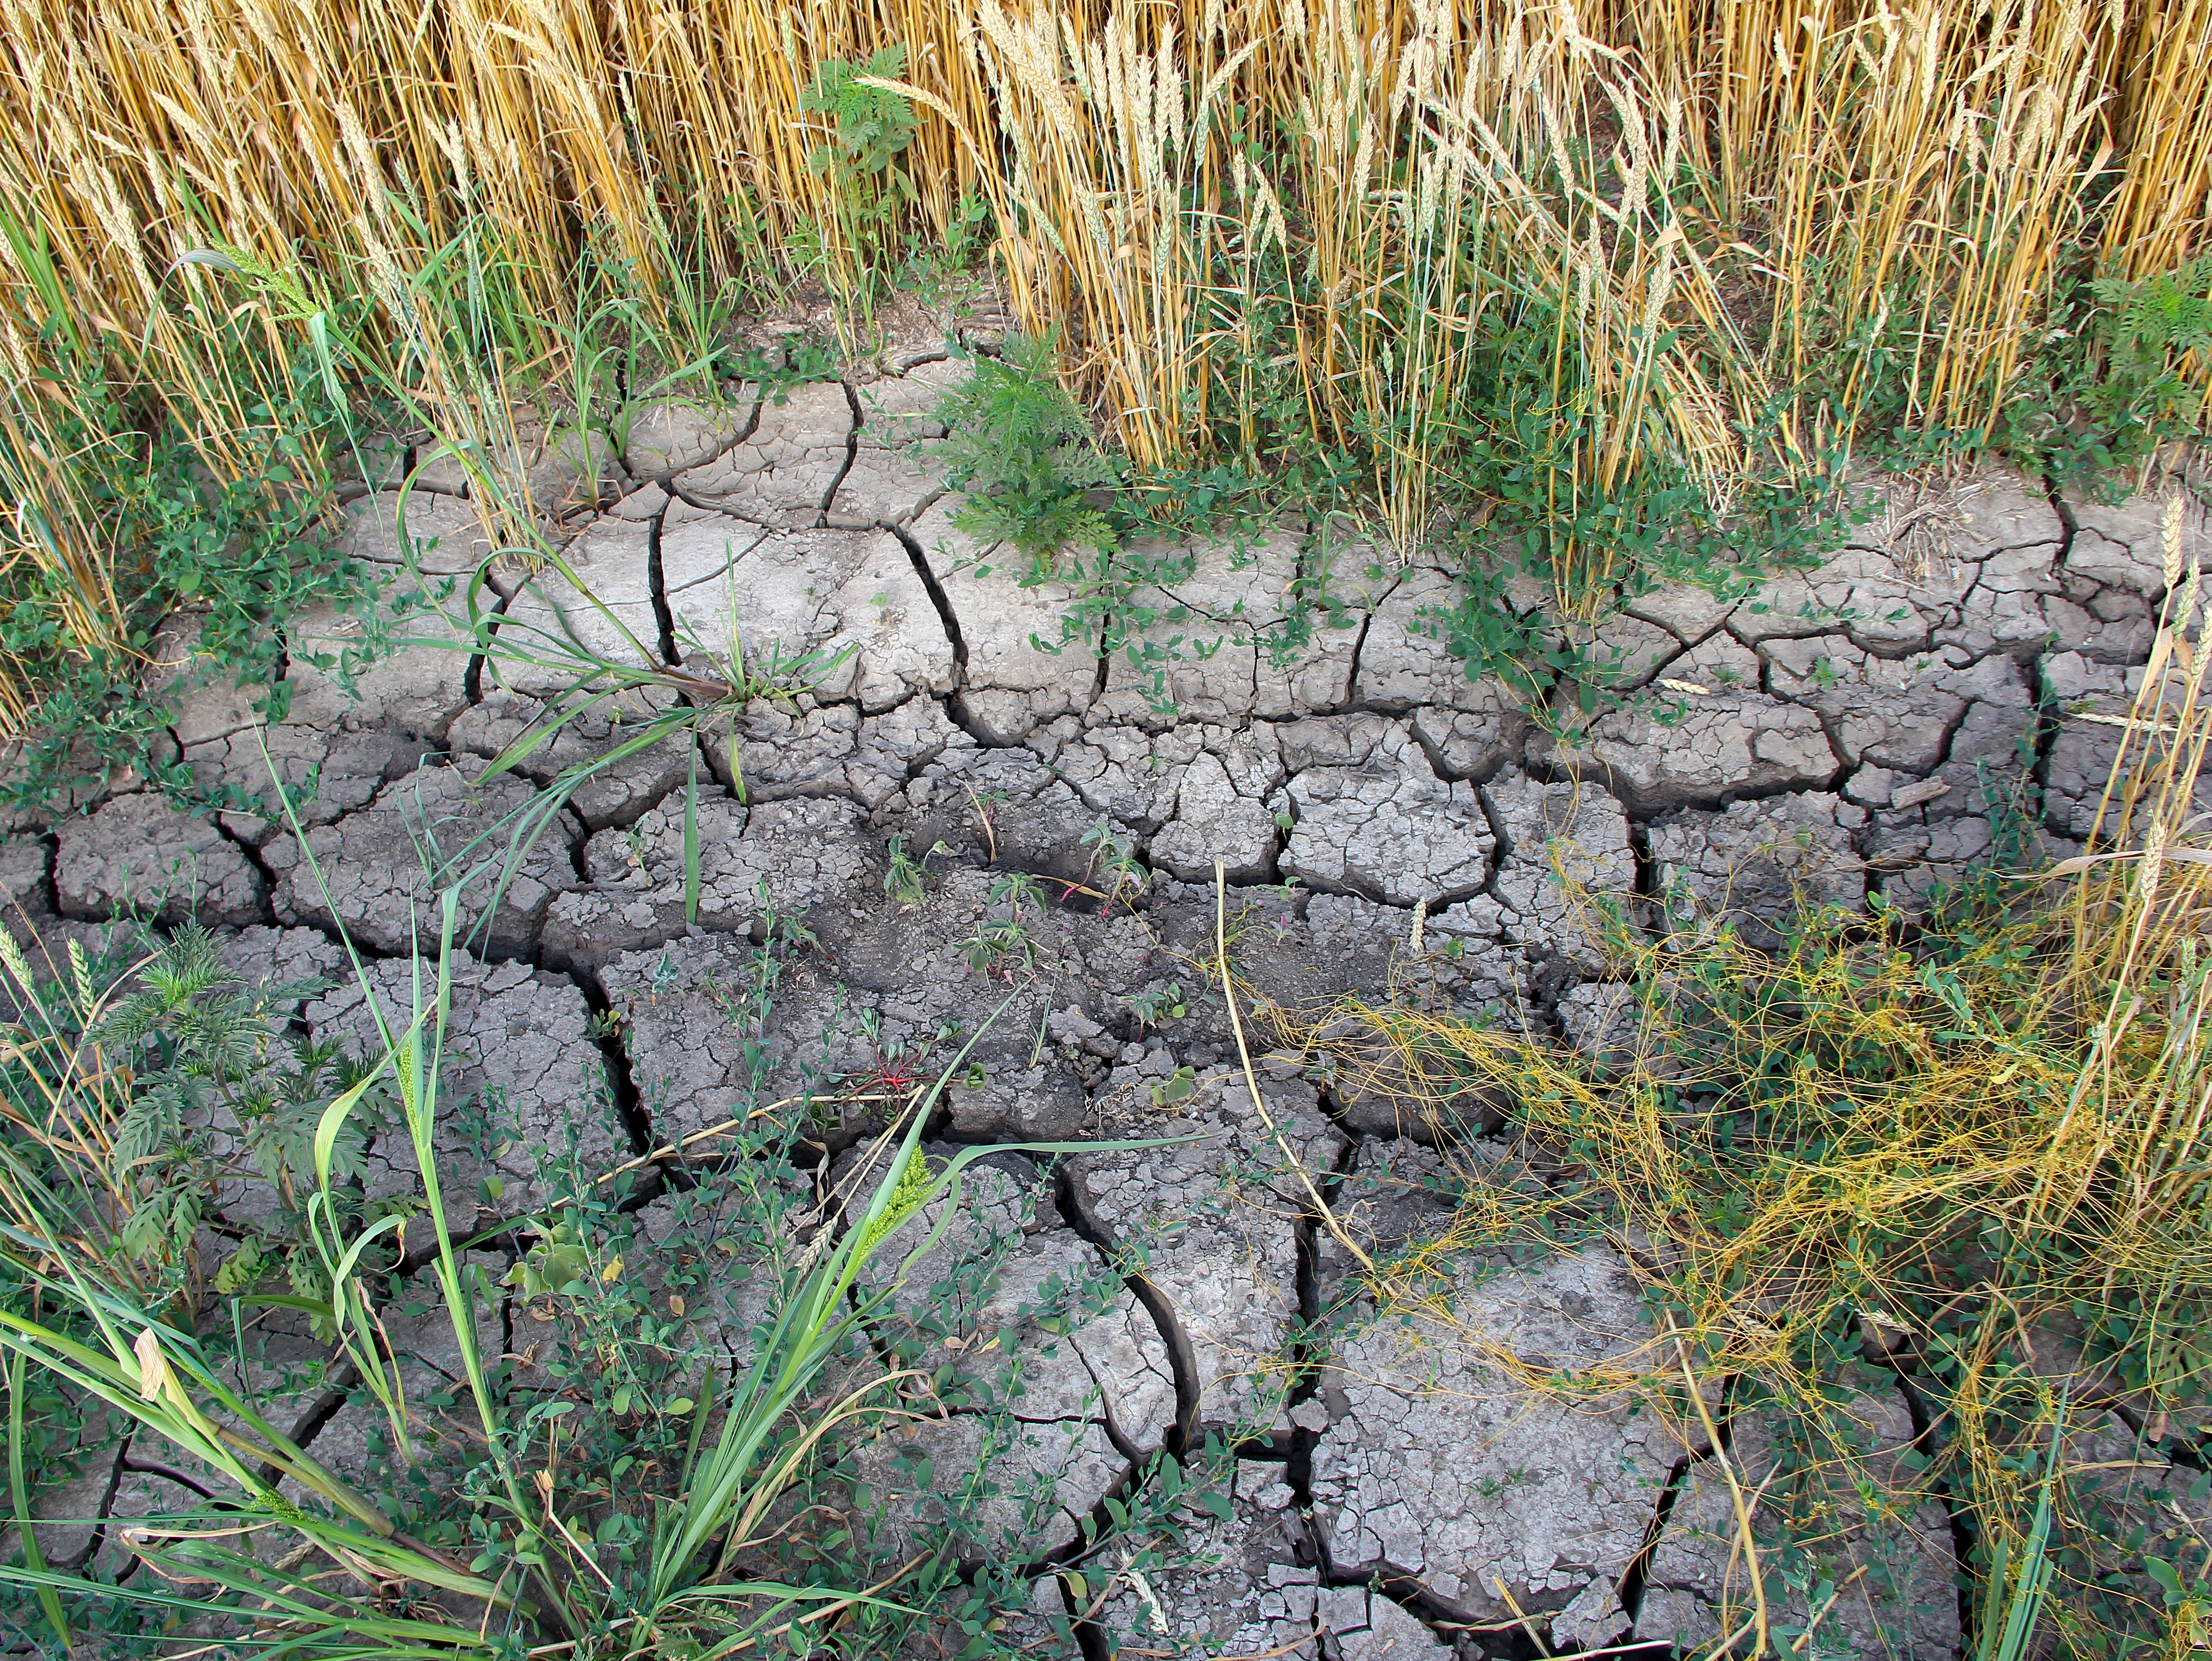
point(1015, 888)
point(984, 804)
point(1156, 1004)
point(559, 1263)
point(1114, 872)
point(902, 878)
point(991, 950)
point(1178, 1086)
point(666, 976)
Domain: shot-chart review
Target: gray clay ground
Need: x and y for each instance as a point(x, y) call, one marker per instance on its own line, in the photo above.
point(1387, 826)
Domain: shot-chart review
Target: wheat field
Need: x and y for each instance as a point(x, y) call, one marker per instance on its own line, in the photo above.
point(1705, 202)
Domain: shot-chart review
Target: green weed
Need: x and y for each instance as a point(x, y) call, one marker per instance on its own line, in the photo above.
point(243, 552)
point(999, 944)
point(2118, 375)
point(868, 132)
point(1020, 449)
point(1114, 872)
point(1155, 1004)
point(601, 1488)
point(903, 875)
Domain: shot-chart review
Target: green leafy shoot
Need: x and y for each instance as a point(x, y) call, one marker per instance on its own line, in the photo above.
point(1018, 445)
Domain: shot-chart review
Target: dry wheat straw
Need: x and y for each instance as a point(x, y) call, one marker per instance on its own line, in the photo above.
point(1716, 196)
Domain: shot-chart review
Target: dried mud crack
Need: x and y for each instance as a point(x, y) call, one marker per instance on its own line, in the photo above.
point(1391, 830)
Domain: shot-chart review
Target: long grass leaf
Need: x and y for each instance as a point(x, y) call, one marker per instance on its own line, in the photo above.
point(19, 1494)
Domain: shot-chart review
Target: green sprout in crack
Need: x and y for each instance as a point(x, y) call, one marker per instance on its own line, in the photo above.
point(1162, 1001)
point(904, 875)
point(993, 947)
point(1178, 1086)
point(558, 1263)
point(1114, 873)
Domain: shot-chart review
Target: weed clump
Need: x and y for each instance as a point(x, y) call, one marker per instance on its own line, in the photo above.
point(1022, 449)
point(629, 1421)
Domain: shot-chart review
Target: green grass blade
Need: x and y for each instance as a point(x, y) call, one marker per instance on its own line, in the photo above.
point(2022, 1600)
point(20, 1492)
point(356, 1631)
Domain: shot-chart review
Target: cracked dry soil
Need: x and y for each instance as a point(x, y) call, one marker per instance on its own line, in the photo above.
point(1387, 825)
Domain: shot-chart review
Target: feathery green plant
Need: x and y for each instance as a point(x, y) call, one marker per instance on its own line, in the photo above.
point(1018, 445)
point(866, 133)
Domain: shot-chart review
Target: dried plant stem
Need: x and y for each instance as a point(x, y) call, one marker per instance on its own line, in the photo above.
point(1251, 1079)
point(1742, 1508)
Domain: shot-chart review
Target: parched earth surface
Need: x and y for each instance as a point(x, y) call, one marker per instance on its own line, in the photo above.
point(1405, 1484)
